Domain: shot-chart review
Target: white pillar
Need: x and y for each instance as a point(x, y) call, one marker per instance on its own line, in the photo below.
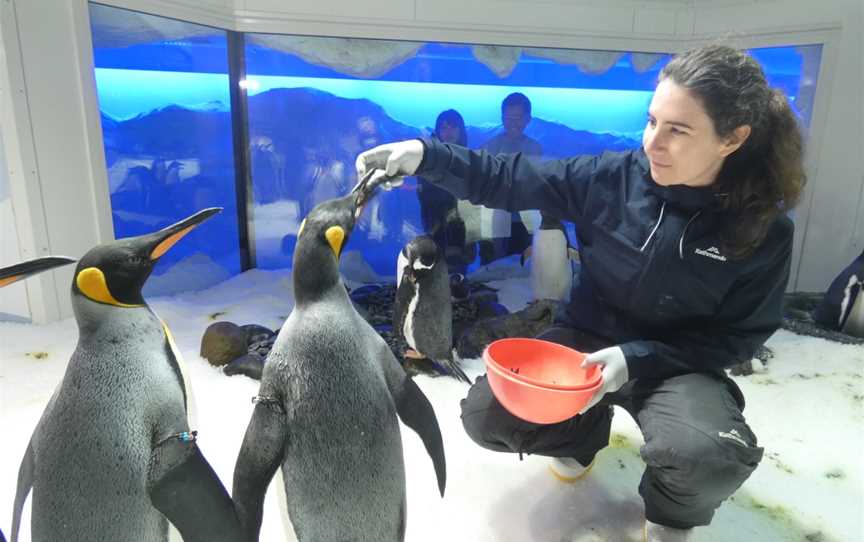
point(53, 141)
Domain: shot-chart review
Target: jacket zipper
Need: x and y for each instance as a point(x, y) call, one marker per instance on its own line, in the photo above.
point(657, 225)
point(684, 232)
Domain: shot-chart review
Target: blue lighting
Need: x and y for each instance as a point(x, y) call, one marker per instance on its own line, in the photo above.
point(128, 93)
point(124, 94)
point(167, 127)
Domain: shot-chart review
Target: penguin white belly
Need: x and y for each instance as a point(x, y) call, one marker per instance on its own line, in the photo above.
point(191, 410)
point(854, 324)
point(551, 273)
point(408, 326)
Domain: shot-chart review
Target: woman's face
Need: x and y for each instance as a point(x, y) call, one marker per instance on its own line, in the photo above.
point(448, 133)
point(680, 141)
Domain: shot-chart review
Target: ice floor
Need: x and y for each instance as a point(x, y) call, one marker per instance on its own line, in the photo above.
point(807, 408)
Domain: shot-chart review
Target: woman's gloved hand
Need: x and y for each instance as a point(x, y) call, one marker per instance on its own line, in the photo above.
point(615, 372)
point(394, 159)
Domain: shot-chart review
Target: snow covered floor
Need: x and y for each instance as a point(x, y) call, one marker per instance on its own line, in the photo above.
point(807, 409)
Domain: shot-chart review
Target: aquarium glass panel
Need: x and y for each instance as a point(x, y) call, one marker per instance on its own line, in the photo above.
point(315, 103)
point(166, 121)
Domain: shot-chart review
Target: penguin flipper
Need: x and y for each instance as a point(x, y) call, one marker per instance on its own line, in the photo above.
point(184, 488)
point(261, 454)
point(25, 483)
point(415, 411)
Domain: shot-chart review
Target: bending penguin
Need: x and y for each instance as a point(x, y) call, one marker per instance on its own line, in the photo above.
point(327, 407)
point(423, 311)
point(113, 455)
point(550, 253)
point(842, 307)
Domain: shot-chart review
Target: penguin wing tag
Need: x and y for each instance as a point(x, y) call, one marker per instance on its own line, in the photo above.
point(415, 411)
point(183, 486)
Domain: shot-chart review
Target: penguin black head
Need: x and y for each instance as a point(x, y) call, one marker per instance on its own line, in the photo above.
point(114, 273)
point(20, 271)
point(322, 236)
point(419, 257)
point(320, 240)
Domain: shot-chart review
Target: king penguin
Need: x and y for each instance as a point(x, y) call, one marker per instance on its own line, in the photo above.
point(20, 271)
point(327, 407)
point(550, 252)
point(113, 456)
point(423, 310)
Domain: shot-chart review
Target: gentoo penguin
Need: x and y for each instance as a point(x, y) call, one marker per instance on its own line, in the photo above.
point(326, 410)
point(550, 253)
point(853, 308)
point(423, 311)
point(842, 307)
point(20, 271)
point(113, 455)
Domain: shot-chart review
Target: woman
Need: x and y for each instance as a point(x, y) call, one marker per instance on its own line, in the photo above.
point(438, 208)
point(685, 257)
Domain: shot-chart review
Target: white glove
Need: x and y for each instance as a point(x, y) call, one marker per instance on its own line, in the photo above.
point(615, 373)
point(395, 159)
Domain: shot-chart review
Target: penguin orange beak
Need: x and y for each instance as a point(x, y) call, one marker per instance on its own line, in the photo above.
point(20, 271)
point(115, 273)
point(166, 238)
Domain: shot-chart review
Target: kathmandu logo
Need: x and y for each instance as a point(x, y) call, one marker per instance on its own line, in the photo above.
point(712, 252)
point(733, 435)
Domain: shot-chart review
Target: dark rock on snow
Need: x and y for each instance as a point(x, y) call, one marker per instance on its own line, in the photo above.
point(222, 343)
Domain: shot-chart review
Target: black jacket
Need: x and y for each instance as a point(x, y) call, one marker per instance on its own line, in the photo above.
point(653, 277)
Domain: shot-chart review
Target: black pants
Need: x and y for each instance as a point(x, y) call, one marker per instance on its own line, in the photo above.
point(698, 448)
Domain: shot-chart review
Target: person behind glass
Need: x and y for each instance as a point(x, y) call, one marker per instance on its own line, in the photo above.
point(515, 117)
point(438, 207)
point(686, 252)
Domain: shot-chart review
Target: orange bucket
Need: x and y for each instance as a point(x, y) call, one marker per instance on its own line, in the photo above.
point(539, 381)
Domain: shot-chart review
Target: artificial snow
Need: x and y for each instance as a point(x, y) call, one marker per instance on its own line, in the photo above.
point(806, 407)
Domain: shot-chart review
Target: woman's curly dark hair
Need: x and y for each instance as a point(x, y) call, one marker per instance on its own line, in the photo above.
point(765, 176)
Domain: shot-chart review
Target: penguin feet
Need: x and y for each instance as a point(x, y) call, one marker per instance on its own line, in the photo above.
point(415, 363)
point(413, 354)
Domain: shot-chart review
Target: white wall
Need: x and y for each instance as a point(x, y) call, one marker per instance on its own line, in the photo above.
point(67, 140)
point(53, 141)
point(13, 298)
point(19, 170)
